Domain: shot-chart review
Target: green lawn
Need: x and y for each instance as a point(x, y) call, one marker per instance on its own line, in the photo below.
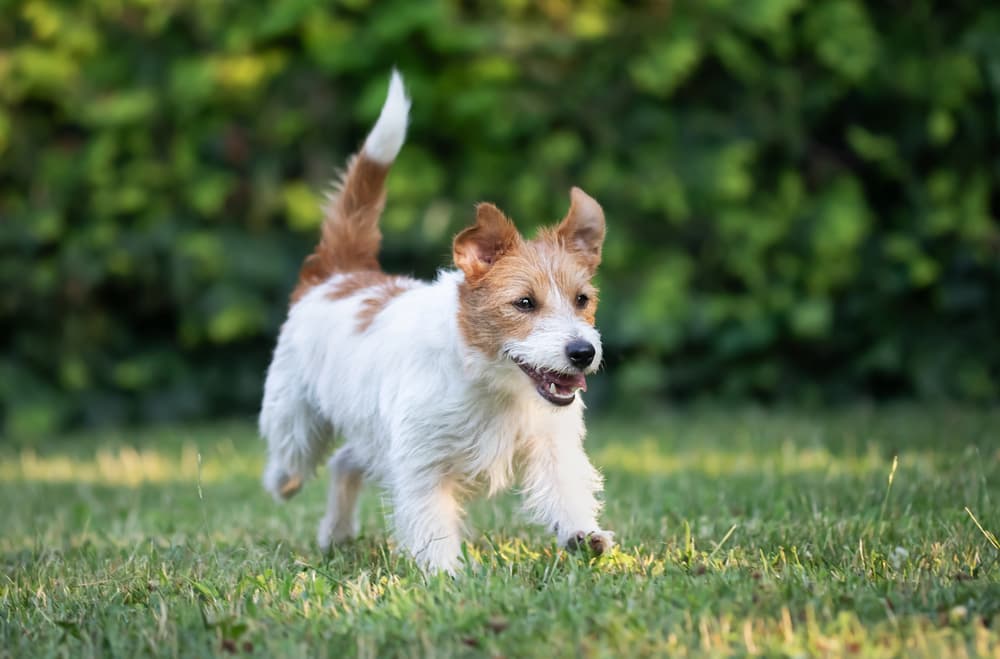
point(742, 531)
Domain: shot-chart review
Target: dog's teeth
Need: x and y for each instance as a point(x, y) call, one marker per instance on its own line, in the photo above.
point(552, 388)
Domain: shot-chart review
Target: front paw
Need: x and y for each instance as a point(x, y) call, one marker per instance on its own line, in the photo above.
point(333, 531)
point(596, 542)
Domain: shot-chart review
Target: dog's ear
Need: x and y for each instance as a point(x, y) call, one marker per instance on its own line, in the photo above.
point(478, 247)
point(582, 230)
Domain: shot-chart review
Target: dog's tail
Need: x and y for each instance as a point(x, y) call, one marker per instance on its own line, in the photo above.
point(350, 237)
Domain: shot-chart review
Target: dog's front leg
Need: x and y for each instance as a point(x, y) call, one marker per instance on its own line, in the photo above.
point(427, 519)
point(560, 491)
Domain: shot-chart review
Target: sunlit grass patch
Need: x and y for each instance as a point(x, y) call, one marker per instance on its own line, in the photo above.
point(865, 531)
point(182, 457)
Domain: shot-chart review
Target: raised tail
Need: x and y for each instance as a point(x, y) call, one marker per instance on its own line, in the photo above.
point(350, 237)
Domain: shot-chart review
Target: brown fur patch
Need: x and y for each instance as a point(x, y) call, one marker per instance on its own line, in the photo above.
point(476, 248)
point(380, 289)
point(380, 297)
point(350, 237)
point(582, 230)
point(354, 282)
point(571, 271)
point(543, 269)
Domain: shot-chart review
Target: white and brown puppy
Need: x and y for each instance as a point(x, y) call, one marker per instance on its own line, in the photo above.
point(438, 388)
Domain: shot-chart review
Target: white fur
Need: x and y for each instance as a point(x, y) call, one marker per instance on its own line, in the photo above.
point(422, 412)
point(386, 139)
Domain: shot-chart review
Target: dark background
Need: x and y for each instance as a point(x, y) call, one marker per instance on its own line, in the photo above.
point(801, 196)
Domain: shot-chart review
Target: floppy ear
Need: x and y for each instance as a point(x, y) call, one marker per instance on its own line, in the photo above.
point(582, 231)
point(478, 247)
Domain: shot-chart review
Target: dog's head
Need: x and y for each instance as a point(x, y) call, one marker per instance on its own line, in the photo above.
point(531, 302)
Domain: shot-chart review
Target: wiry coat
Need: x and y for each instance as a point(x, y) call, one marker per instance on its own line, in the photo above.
point(437, 388)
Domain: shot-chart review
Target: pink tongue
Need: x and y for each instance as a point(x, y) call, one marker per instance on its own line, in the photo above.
point(575, 381)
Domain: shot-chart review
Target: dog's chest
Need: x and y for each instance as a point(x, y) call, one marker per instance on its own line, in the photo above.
point(498, 438)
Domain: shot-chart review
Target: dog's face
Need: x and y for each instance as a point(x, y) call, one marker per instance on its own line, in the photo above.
point(532, 302)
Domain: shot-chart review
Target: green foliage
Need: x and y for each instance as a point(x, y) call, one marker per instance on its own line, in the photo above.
point(741, 533)
point(801, 195)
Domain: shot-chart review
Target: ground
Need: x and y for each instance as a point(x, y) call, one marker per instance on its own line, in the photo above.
point(742, 531)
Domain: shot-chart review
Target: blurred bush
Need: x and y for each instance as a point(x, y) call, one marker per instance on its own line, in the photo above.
point(801, 195)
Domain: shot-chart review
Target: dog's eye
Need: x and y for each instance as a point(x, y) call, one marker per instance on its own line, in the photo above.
point(525, 304)
point(581, 301)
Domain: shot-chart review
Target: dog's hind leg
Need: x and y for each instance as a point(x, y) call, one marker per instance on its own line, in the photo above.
point(297, 436)
point(340, 522)
point(296, 442)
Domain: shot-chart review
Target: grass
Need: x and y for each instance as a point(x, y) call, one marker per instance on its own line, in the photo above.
point(742, 532)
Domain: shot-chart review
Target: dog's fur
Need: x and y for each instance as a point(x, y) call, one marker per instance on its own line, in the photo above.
point(438, 387)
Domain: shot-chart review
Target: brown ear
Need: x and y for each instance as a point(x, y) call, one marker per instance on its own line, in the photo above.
point(582, 230)
point(477, 248)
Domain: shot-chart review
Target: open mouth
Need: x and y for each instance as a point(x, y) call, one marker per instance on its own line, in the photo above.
point(557, 388)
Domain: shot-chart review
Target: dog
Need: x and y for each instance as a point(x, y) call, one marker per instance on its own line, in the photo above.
point(438, 389)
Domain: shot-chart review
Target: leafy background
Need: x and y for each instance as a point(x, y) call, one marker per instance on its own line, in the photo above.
point(801, 195)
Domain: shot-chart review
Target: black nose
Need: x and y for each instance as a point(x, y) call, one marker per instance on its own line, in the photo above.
point(580, 353)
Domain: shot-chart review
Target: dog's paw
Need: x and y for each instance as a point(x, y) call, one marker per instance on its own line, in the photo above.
point(280, 484)
point(335, 532)
point(595, 542)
